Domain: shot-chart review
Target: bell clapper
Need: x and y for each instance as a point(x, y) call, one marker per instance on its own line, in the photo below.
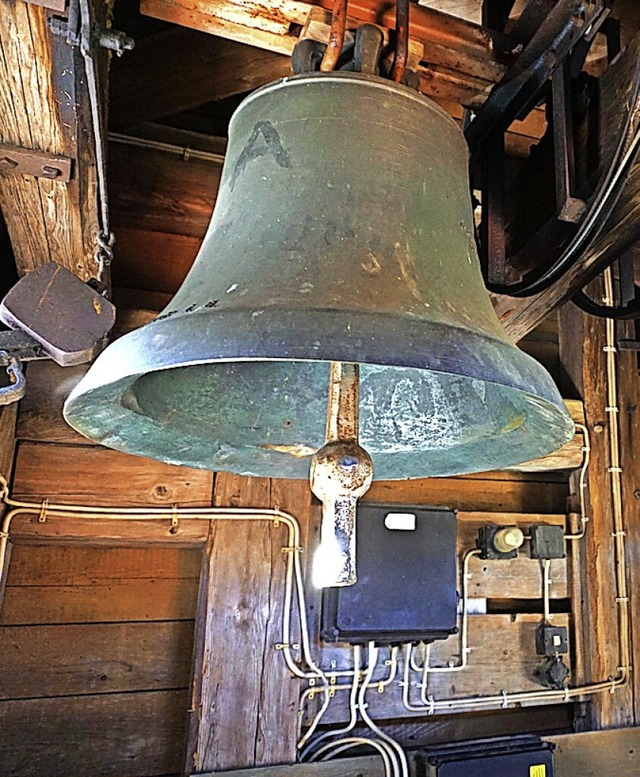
point(341, 472)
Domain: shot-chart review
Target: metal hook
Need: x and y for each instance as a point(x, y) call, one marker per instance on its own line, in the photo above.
point(18, 385)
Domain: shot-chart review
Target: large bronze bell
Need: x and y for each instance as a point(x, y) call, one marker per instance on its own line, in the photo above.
point(343, 232)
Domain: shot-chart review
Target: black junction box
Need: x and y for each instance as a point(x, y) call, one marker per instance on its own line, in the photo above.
point(525, 756)
point(407, 576)
point(547, 541)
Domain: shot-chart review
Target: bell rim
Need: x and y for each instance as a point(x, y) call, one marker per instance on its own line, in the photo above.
point(90, 404)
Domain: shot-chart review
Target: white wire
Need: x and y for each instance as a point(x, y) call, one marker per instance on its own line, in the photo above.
point(546, 584)
point(401, 757)
point(353, 712)
point(582, 486)
point(345, 744)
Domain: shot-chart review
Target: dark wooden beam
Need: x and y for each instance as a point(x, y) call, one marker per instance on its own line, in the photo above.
point(618, 96)
point(454, 58)
point(44, 105)
point(179, 69)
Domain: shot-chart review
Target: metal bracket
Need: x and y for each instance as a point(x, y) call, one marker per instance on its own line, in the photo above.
point(26, 161)
point(17, 386)
point(106, 38)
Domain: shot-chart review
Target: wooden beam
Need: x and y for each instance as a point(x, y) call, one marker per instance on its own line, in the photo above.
point(101, 476)
point(109, 602)
point(629, 415)
point(596, 576)
point(457, 62)
point(44, 105)
point(241, 717)
point(179, 69)
point(8, 418)
point(371, 766)
point(618, 95)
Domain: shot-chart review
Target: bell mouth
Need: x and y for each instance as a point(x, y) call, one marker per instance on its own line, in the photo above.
point(469, 404)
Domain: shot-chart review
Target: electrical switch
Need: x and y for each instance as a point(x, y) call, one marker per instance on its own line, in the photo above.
point(551, 640)
point(499, 542)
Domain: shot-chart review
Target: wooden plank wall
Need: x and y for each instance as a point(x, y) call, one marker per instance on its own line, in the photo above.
point(98, 638)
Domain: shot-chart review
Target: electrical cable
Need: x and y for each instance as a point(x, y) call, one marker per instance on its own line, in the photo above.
point(349, 742)
point(353, 712)
point(546, 585)
point(582, 485)
point(362, 706)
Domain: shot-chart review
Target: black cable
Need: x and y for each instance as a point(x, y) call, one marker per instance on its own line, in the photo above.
point(628, 312)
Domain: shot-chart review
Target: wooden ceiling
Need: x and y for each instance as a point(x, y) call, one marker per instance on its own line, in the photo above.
point(169, 104)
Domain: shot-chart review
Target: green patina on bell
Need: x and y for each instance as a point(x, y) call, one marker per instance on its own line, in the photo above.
point(342, 232)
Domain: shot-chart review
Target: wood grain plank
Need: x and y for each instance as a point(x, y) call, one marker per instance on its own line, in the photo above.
point(369, 766)
point(96, 531)
point(158, 261)
point(113, 735)
point(74, 474)
point(40, 417)
point(8, 418)
point(596, 753)
point(459, 52)
point(45, 661)
point(234, 613)
point(132, 600)
point(155, 191)
point(474, 494)
point(44, 565)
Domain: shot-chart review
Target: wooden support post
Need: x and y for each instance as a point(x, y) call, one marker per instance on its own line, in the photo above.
point(629, 415)
point(44, 106)
point(244, 702)
point(597, 574)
